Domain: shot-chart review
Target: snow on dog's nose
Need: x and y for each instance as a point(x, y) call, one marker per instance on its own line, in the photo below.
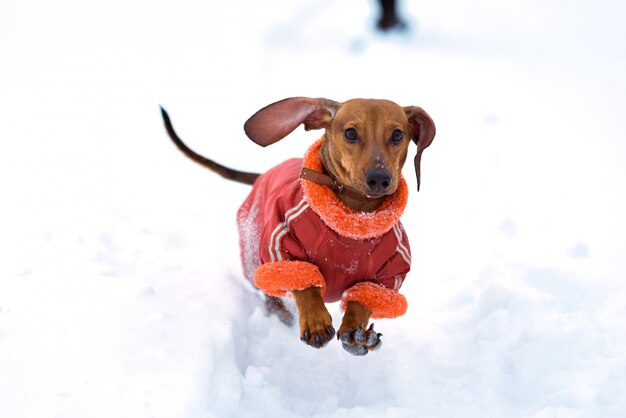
point(378, 180)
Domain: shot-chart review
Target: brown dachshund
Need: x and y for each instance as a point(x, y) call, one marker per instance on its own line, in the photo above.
point(357, 165)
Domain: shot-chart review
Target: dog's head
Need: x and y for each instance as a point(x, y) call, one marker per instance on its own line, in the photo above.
point(366, 140)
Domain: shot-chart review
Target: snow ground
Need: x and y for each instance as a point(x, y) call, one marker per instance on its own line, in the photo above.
point(121, 292)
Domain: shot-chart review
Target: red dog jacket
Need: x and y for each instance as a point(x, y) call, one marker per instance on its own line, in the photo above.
point(296, 234)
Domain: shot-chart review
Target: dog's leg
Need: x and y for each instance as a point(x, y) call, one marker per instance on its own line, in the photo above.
point(355, 338)
point(316, 326)
point(275, 306)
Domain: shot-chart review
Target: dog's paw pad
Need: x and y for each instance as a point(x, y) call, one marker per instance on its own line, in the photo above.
point(359, 336)
point(359, 342)
point(346, 336)
point(355, 349)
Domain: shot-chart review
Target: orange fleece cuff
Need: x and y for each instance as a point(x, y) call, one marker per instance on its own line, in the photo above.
point(279, 277)
point(381, 301)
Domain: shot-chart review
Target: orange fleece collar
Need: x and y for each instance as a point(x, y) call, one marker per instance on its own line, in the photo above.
point(342, 219)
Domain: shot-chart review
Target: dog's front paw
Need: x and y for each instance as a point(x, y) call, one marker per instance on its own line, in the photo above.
point(360, 341)
point(317, 333)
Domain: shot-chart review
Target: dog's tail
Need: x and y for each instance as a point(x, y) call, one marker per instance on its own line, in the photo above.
point(228, 173)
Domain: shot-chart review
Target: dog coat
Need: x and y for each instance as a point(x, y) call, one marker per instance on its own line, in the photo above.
point(295, 234)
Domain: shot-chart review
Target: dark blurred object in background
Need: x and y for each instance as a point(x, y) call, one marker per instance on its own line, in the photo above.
point(389, 19)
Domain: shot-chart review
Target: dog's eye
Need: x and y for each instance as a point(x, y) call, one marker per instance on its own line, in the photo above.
point(350, 135)
point(397, 136)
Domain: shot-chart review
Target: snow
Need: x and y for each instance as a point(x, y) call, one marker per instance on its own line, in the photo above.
point(121, 290)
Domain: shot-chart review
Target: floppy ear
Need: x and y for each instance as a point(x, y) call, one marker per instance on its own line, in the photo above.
point(276, 121)
point(424, 133)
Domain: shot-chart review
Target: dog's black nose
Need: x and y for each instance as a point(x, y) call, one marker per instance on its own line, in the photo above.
point(378, 179)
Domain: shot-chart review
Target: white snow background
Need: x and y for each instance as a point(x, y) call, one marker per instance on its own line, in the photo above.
point(121, 291)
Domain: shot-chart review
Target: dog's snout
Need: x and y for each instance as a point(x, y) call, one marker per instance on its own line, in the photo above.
point(378, 179)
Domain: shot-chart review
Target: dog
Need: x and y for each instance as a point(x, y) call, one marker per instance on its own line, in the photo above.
point(326, 227)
